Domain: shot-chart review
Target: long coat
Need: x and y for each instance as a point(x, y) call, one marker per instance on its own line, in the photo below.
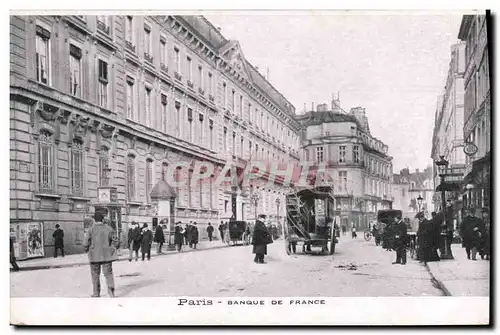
point(100, 242)
point(134, 237)
point(147, 239)
point(261, 238)
point(467, 229)
point(178, 236)
point(193, 234)
point(159, 235)
point(58, 236)
point(427, 247)
point(400, 235)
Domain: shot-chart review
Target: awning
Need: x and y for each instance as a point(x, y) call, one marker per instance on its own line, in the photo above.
point(476, 167)
point(449, 186)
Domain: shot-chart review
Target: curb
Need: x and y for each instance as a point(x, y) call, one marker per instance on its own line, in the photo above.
point(71, 265)
point(437, 283)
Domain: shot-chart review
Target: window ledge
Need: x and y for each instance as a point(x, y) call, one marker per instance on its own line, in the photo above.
point(48, 195)
point(78, 198)
point(134, 203)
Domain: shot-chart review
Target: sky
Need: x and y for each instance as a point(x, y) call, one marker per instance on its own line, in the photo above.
point(395, 66)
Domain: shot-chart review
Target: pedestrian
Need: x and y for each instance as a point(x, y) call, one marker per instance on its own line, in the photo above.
point(178, 236)
point(221, 230)
point(186, 233)
point(344, 230)
point(101, 243)
point(134, 241)
point(427, 239)
point(159, 239)
point(486, 240)
point(13, 262)
point(58, 236)
point(293, 238)
point(261, 238)
point(353, 232)
point(210, 231)
point(476, 241)
point(469, 237)
point(195, 235)
point(400, 240)
point(146, 241)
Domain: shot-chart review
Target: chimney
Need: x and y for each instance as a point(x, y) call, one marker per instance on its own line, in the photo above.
point(312, 106)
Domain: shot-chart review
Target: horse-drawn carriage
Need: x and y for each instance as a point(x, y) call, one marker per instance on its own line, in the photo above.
point(309, 220)
point(238, 232)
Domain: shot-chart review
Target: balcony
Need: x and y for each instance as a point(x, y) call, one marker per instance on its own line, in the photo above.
point(101, 26)
point(177, 76)
point(211, 98)
point(164, 68)
point(201, 91)
point(148, 58)
point(129, 46)
point(190, 84)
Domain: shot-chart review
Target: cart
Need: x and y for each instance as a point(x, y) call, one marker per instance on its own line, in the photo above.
point(309, 220)
point(238, 233)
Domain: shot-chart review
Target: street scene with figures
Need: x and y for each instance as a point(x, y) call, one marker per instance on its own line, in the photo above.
point(151, 158)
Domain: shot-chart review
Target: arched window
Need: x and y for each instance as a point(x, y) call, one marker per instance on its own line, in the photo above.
point(45, 162)
point(104, 168)
point(131, 177)
point(149, 178)
point(77, 167)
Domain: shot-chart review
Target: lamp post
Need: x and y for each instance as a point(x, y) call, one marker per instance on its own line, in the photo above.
point(419, 203)
point(469, 188)
point(255, 201)
point(442, 166)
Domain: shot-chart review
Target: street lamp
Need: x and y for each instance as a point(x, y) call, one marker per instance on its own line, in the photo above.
point(469, 188)
point(278, 207)
point(442, 165)
point(419, 203)
point(255, 201)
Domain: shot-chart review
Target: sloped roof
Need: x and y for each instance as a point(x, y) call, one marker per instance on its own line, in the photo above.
point(162, 190)
point(317, 118)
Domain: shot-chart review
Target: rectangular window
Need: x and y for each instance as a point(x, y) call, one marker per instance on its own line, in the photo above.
point(129, 29)
point(233, 100)
point(250, 149)
point(242, 149)
point(190, 195)
point(210, 84)
point(201, 139)
point(149, 179)
point(104, 167)
point(225, 140)
point(256, 151)
point(177, 61)
point(211, 195)
point(342, 150)
point(130, 100)
point(355, 151)
point(224, 95)
point(211, 127)
point(234, 143)
point(77, 168)
point(163, 51)
point(201, 193)
point(164, 111)
point(241, 106)
point(200, 77)
point(75, 69)
point(103, 23)
point(189, 68)
point(42, 55)
point(178, 120)
point(319, 154)
point(250, 115)
point(103, 83)
point(131, 177)
point(190, 125)
point(147, 106)
point(45, 162)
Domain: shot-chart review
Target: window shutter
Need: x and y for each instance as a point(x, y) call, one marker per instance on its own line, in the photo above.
point(163, 99)
point(42, 32)
point(190, 114)
point(103, 71)
point(75, 51)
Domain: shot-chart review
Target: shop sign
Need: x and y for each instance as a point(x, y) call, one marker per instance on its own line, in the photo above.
point(106, 195)
point(470, 149)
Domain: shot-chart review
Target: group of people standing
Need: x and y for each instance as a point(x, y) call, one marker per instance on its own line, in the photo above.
point(142, 239)
point(188, 235)
point(475, 233)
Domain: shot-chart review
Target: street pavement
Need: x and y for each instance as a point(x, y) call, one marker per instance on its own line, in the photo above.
point(358, 268)
point(461, 276)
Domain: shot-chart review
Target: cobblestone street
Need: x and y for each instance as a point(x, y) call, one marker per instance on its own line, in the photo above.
point(358, 268)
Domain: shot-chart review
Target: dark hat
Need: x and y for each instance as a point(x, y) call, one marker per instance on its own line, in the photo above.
point(420, 215)
point(57, 226)
point(145, 225)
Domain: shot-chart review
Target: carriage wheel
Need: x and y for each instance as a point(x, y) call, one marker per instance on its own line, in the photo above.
point(368, 236)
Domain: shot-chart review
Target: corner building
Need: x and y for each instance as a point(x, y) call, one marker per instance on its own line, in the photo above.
point(100, 106)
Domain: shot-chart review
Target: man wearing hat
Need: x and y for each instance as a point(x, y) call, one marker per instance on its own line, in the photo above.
point(469, 236)
point(101, 243)
point(485, 248)
point(134, 241)
point(261, 238)
point(400, 236)
point(146, 241)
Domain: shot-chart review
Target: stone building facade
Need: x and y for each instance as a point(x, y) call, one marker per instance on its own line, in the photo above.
point(359, 165)
point(111, 102)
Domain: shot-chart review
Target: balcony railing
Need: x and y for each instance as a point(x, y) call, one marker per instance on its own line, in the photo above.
point(177, 76)
point(103, 27)
point(129, 46)
point(148, 58)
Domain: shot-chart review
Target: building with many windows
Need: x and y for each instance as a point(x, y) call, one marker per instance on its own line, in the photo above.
point(408, 186)
point(101, 106)
point(477, 112)
point(358, 164)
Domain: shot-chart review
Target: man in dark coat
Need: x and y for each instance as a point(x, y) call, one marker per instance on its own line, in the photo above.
point(187, 229)
point(13, 262)
point(400, 239)
point(146, 241)
point(193, 235)
point(470, 222)
point(159, 238)
point(101, 244)
point(210, 231)
point(178, 236)
point(261, 238)
point(58, 236)
point(426, 234)
point(134, 241)
point(485, 248)
point(221, 230)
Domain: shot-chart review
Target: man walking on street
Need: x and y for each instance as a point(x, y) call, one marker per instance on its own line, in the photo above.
point(400, 231)
point(159, 238)
point(100, 243)
point(261, 238)
point(469, 236)
point(58, 236)
point(210, 231)
point(221, 230)
point(134, 241)
point(146, 241)
point(178, 236)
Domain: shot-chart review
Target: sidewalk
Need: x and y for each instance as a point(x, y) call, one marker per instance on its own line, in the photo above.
point(461, 276)
point(82, 259)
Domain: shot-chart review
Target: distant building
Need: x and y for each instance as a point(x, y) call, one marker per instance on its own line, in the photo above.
point(359, 164)
point(407, 187)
